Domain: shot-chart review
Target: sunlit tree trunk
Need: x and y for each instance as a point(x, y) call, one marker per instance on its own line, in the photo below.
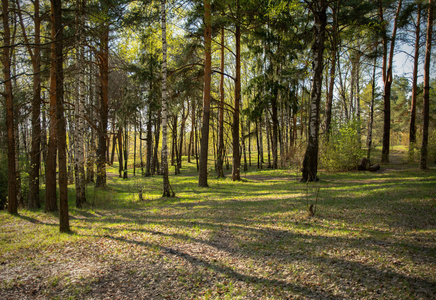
point(236, 164)
point(426, 104)
point(387, 88)
point(310, 163)
point(79, 154)
point(204, 148)
point(220, 160)
point(166, 181)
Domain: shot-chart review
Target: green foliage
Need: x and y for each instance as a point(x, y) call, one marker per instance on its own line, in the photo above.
point(343, 151)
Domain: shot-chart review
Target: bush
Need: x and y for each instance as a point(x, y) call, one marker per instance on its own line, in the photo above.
point(343, 151)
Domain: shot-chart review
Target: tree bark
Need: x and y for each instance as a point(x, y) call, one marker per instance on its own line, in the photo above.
point(412, 130)
point(236, 164)
point(104, 97)
point(64, 225)
point(50, 168)
point(220, 159)
point(310, 163)
point(387, 89)
point(426, 104)
point(9, 104)
point(79, 154)
point(166, 181)
point(204, 151)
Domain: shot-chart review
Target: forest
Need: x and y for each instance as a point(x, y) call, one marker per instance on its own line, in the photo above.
point(217, 149)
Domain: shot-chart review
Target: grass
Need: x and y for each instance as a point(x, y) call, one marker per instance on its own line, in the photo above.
point(373, 237)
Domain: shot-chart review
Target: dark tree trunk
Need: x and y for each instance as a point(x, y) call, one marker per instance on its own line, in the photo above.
point(102, 129)
point(50, 168)
point(64, 223)
point(412, 131)
point(387, 89)
point(126, 150)
point(329, 100)
point(149, 143)
point(236, 164)
point(155, 163)
point(120, 152)
point(202, 177)
point(426, 104)
point(310, 162)
point(9, 104)
point(220, 160)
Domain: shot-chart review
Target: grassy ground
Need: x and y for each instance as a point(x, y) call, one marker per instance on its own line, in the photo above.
point(373, 236)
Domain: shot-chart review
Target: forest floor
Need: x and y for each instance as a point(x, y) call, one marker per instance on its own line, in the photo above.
point(373, 236)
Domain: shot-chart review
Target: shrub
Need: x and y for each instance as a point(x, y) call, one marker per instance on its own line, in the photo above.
point(343, 151)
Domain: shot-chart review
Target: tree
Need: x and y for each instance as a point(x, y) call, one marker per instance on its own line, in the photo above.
point(387, 80)
point(426, 102)
point(35, 152)
point(310, 162)
point(80, 108)
point(202, 178)
point(9, 101)
point(166, 181)
point(64, 225)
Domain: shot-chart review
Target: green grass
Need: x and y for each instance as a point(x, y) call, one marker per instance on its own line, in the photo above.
point(373, 236)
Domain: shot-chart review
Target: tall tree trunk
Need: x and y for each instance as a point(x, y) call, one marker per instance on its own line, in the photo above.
point(64, 225)
point(220, 160)
point(155, 163)
point(166, 181)
point(126, 149)
point(149, 141)
point(426, 104)
point(182, 130)
point(387, 89)
point(412, 130)
point(35, 152)
point(102, 129)
point(9, 104)
point(371, 111)
point(236, 164)
point(120, 152)
point(79, 154)
point(310, 163)
point(50, 169)
point(204, 151)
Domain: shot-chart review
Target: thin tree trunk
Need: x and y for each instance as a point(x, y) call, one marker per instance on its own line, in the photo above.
point(236, 165)
point(371, 112)
point(120, 152)
point(126, 149)
point(204, 151)
point(310, 163)
point(426, 104)
point(387, 90)
point(104, 98)
point(220, 161)
point(155, 163)
point(412, 131)
point(50, 169)
point(149, 142)
point(166, 181)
